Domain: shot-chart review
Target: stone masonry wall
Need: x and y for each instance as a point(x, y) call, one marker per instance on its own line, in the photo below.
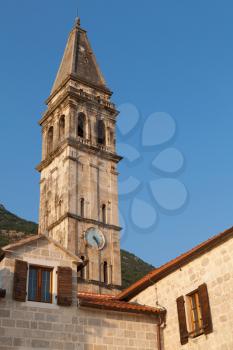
point(215, 268)
point(33, 325)
point(71, 328)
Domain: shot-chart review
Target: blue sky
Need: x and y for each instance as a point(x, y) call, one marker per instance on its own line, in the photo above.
point(165, 56)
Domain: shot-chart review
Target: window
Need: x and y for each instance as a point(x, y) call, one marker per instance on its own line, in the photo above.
point(62, 127)
point(50, 140)
point(104, 216)
point(105, 272)
point(100, 132)
point(194, 314)
point(82, 209)
point(82, 271)
point(40, 284)
point(81, 125)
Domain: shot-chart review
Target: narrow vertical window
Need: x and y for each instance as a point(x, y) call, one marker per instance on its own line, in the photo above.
point(104, 214)
point(105, 272)
point(82, 272)
point(81, 125)
point(62, 127)
point(195, 314)
point(101, 132)
point(82, 209)
point(50, 140)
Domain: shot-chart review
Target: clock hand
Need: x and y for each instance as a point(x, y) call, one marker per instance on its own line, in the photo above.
point(96, 240)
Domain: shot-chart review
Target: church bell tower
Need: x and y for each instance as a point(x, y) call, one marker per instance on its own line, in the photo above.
point(78, 187)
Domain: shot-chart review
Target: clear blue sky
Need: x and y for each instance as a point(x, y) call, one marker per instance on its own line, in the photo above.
point(161, 56)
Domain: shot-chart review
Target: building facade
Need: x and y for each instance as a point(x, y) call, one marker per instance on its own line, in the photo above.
point(60, 288)
point(78, 187)
point(196, 290)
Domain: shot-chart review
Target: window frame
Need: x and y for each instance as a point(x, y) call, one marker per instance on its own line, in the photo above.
point(39, 269)
point(192, 316)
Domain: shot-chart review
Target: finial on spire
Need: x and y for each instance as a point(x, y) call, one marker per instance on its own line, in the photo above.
point(77, 22)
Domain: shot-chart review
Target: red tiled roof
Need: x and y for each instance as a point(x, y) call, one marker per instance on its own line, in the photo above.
point(174, 264)
point(108, 302)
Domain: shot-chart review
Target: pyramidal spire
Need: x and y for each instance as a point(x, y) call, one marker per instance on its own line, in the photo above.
point(79, 61)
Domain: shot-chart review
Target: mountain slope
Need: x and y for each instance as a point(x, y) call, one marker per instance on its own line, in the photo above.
point(133, 268)
point(9, 221)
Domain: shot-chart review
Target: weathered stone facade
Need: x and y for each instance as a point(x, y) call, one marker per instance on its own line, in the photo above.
point(34, 325)
point(29, 327)
point(78, 188)
point(215, 268)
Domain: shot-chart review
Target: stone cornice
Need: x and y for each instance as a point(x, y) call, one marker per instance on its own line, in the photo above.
point(72, 92)
point(52, 156)
point(82, 81)
point(94, 149)
point(83, 219)
point(77, 94)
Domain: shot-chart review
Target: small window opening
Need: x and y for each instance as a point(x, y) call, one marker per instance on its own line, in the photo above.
point(50, 140)
point(82, 271)
point(62, 127)
point(81, 125)
point(105, 272)
point(100, 132)
point(104, 214)
point(82, 209)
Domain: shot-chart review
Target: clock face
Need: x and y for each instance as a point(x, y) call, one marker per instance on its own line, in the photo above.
point(95, 238)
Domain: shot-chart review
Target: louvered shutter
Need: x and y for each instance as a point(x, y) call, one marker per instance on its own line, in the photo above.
point(20, 280)
point(205, 308)
point(182, 320)
point(64, 286)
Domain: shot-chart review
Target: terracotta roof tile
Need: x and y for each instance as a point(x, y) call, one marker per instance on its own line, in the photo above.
point(108, 302)
point(174, 264)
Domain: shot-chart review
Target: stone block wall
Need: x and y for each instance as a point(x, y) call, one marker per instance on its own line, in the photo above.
point(39, 252)
point(24, 326)
point(33, 325)
point(215, 268)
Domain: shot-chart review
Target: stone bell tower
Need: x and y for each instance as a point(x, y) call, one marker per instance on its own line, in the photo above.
point(78, 187)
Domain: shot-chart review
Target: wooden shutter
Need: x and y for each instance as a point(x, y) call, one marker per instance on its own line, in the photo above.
point(20, 280)
point(205, 308)
point(182, 320)
point(64, 286)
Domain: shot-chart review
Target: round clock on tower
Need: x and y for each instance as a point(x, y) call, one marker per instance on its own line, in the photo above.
point(78, 191)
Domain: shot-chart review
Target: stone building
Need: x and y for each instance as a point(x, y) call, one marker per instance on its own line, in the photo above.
point(61, 288)
point(78, 188)
point(196, 290)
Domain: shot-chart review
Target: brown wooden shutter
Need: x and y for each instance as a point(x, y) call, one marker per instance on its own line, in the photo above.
point(182, 320)
point(205, 308)
point(20, 280)
point(64, 286)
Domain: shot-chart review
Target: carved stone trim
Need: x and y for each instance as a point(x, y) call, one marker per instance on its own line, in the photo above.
point(75, 93)
point(87, 220)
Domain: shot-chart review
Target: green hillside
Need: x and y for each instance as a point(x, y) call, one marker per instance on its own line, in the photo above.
point(132, 267)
